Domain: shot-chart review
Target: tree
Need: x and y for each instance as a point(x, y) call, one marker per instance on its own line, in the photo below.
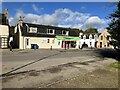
point(114, 26)
point(91, 30)
point(81, 31)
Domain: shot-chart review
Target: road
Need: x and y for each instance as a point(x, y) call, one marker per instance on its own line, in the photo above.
point(42, 68)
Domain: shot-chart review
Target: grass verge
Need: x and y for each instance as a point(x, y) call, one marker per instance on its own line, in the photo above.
point(116, 65)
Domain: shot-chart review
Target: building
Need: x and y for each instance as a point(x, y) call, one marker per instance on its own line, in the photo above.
point(104, 40)
point(27, 35)
point(4, 30)
point(90, 40)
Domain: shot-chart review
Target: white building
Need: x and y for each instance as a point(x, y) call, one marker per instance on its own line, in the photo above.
point(88, 39)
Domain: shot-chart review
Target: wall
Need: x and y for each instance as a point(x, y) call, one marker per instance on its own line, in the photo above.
point(4, 30)
point(104, 41)
point(4, 33)
point(42, 42)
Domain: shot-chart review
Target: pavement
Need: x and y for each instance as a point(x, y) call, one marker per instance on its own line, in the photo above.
point(57, 68)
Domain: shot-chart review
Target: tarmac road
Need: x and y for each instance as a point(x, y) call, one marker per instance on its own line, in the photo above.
point(63, 65)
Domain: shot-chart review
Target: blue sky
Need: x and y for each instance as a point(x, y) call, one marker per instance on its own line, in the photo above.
point(80, 15)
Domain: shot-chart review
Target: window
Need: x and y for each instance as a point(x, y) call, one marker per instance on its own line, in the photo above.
point(92, 36)
point(87, 36)
point(101, 37)
point(81, 36)
point(50, 31)
point(33, 30)
point(48, 41)
point(65, 32)
point(3, 42)
point(107, 37)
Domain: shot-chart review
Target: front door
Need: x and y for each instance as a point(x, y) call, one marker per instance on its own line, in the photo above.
point(100, 44)
point(27, 43)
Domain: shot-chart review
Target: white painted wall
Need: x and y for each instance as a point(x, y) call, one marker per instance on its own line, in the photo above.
point(87, 41)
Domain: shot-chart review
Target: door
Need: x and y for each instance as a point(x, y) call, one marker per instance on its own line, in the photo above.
point(27, 43)
point(59, 44)
point(100, 44)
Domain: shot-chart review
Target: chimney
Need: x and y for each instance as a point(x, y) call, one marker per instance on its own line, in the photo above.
point(6, 15)
point(21, 20)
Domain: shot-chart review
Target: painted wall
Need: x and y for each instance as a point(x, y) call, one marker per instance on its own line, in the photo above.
point(4, 33)
point(42, 42)
point(90, 42)
point(104, 40)
point(4, 30)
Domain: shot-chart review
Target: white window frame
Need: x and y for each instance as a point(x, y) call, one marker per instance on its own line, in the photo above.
point(33, 30)
point(48, 31)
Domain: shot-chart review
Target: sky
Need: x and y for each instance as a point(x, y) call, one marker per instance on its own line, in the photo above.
point(81, 15)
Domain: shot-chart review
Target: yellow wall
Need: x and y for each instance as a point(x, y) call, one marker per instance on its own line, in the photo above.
point(104, 40)
point(40, 41)
point(4, 30)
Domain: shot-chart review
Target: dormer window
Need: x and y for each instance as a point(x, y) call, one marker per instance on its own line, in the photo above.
point(65, 32)
point(50, 31)
point(33, 30)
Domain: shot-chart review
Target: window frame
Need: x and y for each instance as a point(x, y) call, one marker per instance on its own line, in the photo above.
point(48, 31)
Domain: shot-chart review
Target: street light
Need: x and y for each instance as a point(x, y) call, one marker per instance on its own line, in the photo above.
point(64, 41)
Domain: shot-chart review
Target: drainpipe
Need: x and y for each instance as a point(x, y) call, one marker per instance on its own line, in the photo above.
point(23, 42)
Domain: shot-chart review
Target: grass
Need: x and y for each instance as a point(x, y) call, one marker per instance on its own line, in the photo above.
point(116, 65)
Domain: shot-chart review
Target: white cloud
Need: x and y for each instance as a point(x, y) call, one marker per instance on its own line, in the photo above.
point(36, 9)
point(95, 22)
point(61, 17)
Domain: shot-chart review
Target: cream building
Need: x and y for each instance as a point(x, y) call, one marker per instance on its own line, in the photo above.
point(4, 30)
point(27, 36)
point(104, 40)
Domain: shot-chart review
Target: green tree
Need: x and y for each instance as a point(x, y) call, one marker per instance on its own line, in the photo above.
point(81, 31)
point(114, 26)
point(91, 30)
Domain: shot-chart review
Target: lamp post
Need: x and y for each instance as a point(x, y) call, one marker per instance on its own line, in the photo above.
point(64, 41)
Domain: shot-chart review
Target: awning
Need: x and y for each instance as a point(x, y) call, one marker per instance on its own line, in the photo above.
point(67, 38)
